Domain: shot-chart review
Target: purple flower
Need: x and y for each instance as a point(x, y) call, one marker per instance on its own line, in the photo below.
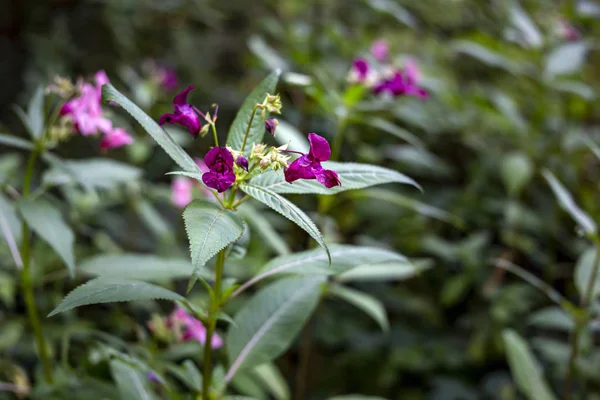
point(189, 328)
point(271, 125)
point(184, 114)
point(242, 162)
point(220, 164)
point(308, 166)
point(360, 70)
point(380, 50)
point(168, 78)
point(115, 138)
point(403, 82)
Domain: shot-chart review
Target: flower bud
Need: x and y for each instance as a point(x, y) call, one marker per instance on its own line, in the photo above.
point(271, 125)
point(273, 103)
point(242, 162)
point(204, 130)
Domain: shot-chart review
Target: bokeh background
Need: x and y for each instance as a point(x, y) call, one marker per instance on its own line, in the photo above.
point(512, 91)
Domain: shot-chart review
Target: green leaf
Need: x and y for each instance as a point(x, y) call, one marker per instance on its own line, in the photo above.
point(352, 176)
point(394, 9)
point(188, 374)
point(394, 130)
point(16, 142)
point(177, 154)
point(315, 262)
point(210, 229)
point(263, 228)
point(47, 222)
point(95, 173)
point(566, 59)
point(485, 55)
point(382, 271)
point(566, 201)
point(272, 378)
point(552, 318)
point(367, 303)
point(235, 139)
point(525, 368)
point(356, 397)
point(583, 273)
point(110, 290)
point(35, 113)
point(529, 32)
point(288, 210)
point(267, 324)
point(132, 383)
point(137, 266)
point(288, 134)
point(517, 171)
point(10, 217)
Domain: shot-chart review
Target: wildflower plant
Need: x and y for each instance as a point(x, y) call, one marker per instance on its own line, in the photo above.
point(242, 168)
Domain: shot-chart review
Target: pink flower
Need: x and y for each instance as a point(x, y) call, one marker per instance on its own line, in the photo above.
point(360, 70)
point(380, 50)
point(189, 328)
point(308, 166)
point(403, 82)
point(181, 191)
point(118, 137)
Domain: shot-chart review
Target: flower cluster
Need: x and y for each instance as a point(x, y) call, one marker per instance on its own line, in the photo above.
point(226, 165)
point(85, 111)
point(181, 326)
point(384, 78)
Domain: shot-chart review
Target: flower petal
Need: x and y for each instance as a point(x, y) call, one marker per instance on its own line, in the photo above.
point(328, 178)
point(219, 182)
point(319, 148)
point(181, 98)
point(299, 169)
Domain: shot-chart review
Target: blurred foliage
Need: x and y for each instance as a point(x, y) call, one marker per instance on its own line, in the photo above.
point(509, 97)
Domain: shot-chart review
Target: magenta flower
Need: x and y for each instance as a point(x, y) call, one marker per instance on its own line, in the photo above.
point(308, 166)
point(185, 114)
point(380, 50)
point(403, 82)
point(360, 70)
point(181, 191)
point(115, 138)
point(220, 164)
point(189, 328)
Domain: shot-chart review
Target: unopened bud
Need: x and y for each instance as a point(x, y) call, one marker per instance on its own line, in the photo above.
point(204, 130)
point(242, 162)
point(271, 125)
point(273, 103)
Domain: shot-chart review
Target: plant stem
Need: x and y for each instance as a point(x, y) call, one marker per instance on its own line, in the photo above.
point(248, 127)
point(581, 322)
point(214, 130)
point(212, 323)
point(338, 140)
point(303, 362)
point(27, 284)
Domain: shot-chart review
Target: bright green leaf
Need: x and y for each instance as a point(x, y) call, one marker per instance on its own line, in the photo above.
point(210, 229)
point(110, 290)
point(237, 131)
point(267, 324)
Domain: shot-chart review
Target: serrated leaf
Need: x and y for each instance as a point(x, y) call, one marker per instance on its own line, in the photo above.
point(210, 229)
point(288, 210)
point(367, 303)
point(566, 59)
point(177, 154)
point(315, 262)
point(95, 173)
point(525, 368)
point(267, 324)
point(132, 383)
point(138, 266)
point(110, 290)
point(47, 222)
point(568, 204)
point(263, 228)
point(237, 131)
point(353, 176)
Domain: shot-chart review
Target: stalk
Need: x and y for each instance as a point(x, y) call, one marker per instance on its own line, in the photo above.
point(27, 284)
point(248, 128)
point(212, 323)
point(581, 322)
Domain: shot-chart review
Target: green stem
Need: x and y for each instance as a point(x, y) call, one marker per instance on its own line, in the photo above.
point(248, 127)
point(214, 130)
point(338, 140)
point(581, 322)
point(212, 323)
point(27, 284)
